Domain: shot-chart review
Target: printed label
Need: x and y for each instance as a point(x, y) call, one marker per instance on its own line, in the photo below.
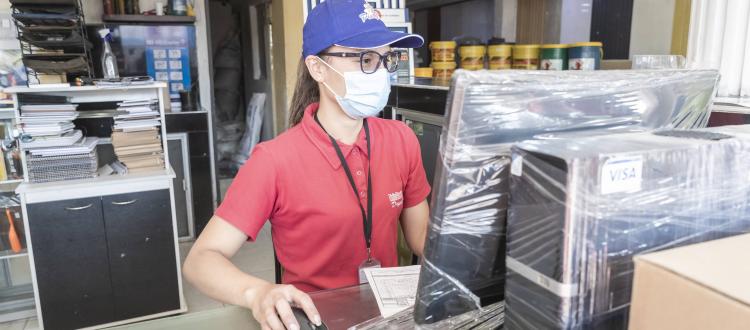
point(516, 166)
point(621, 174)
point(551, 64)
point(582, 64)
point(499, 62)
point(524, 63)
point(472, 63)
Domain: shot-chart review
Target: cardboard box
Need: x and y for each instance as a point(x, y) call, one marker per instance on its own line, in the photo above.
point(701, 286)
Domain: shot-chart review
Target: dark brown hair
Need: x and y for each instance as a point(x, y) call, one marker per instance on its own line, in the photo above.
point(306, 91)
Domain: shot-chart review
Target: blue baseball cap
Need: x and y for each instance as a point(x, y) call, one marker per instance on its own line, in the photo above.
point(353, 24)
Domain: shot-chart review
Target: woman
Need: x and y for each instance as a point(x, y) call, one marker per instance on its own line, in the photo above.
point(333, 185)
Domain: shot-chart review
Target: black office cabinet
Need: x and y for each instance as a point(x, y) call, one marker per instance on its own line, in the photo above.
point(195, 124)
point(141, 253)
point(72, 267)
point(177, 145)
point(104, 259)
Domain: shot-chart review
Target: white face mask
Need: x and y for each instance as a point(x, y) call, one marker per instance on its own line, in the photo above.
point(366, 94)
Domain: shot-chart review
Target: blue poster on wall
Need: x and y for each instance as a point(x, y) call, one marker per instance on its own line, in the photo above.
point(168, 59)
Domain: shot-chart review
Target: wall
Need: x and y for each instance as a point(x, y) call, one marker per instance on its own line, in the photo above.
point(538, 21)
point(94, 9)
point(575, 25)
point(286, 24)
point(468, 19)
point(508, 20)
point(681, 27)
point(651, 32)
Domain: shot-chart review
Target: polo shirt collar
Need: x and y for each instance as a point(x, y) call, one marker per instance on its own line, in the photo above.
point(322, 142)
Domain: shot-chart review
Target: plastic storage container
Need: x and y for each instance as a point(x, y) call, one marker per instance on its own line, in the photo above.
point(526, 57)
point(500, 57)
point(585, 56)
point(423, 72)
point(443, 70)
point(553, 57)
point(472, 57)
point(443, 51)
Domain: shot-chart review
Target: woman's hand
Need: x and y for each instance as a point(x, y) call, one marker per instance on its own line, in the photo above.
point(272, 306)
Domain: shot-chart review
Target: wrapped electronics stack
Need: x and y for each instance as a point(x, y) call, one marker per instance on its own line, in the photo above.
point(463, 266)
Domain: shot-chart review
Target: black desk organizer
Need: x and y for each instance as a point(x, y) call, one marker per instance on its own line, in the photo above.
point(53, 38)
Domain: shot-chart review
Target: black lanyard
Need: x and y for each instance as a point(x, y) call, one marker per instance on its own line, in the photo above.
point(366, 217)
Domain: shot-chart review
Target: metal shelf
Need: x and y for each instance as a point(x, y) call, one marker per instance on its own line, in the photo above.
point(88, 114)
point(148, 19)
point(7, 113)
point(11, 181)
point(10, 254)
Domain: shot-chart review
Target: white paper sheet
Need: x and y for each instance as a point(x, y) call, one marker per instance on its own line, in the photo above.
point(86, 145)
point(49, 107)
point(395, 288)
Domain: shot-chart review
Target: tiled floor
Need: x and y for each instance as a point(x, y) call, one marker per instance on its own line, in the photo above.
point(255, 258)
point(20, 325)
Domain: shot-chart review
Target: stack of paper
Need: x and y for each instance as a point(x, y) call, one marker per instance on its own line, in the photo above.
point(77, 161)
point(136, 138)
point(66, 139)
point(137, 116)
point(44, 120)
point(394, 288)
point(57, 151)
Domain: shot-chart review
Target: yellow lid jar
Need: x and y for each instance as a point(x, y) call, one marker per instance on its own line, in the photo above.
point(443, 51)
point(500, 56)
point(526, 57)
point(472, 57)
point(423, 72)
point(443, 70)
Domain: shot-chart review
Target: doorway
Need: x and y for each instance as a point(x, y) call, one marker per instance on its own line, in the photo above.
point(242, 112)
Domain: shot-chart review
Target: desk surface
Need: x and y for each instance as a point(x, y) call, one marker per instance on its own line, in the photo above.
point(345, 307)
point(339, 308)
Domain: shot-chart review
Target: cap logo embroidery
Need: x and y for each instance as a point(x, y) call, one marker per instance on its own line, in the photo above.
point(369, 13)
point(396, 199)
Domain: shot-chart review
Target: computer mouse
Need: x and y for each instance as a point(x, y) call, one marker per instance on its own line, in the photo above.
point(304, 322)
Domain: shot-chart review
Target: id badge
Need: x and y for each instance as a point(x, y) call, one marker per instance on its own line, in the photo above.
point(368, 263)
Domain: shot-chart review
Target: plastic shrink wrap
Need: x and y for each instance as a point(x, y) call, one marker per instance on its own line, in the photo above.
point(582, 208)
point(463, 266)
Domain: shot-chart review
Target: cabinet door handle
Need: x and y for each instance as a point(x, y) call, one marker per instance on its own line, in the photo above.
point(79, 208)
point(125, 203)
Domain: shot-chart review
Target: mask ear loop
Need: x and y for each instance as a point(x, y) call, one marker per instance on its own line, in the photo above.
point(326, 84)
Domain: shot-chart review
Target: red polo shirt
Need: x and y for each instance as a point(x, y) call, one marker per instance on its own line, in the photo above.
point(297, 182)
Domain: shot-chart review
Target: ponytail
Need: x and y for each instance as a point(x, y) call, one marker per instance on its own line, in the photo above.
point(306, 91)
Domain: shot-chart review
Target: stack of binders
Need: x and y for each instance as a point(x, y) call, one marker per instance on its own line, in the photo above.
point(136, 138)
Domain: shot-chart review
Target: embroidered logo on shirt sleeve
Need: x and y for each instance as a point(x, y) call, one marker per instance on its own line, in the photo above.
point(397, 199)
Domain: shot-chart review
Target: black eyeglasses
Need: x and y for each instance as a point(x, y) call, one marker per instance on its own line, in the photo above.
point(369, 61)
